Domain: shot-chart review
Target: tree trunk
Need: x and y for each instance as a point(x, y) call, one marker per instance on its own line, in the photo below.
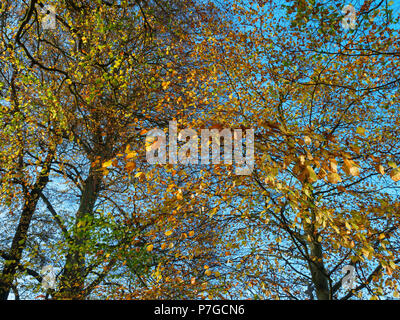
point(72, 281)
point(19, 241)
point(318, 272)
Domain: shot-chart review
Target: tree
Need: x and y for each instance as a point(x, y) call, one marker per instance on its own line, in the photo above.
point(101, 78)
point(319, 197)
point(80, 99)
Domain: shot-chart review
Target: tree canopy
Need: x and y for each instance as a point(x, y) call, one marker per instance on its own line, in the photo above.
point(79, 98)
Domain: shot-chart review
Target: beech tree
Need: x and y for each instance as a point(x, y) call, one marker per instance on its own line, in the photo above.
point(78, 101)
point(101, 78)
point(323, 193)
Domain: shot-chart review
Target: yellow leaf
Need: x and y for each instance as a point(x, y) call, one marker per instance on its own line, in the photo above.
point(107, 164)
point(367, 253)
point(179, 195)
point(380, 169)
point(168, 233)
point(395, 175)
point(360, 131)
point(392, 164)
point(350, 167)
point(333, 165)
point(322, 173)
point(150, 248)
point(130, 166)
point(130, 155)
point(165, 85)
point(312, 177)
point(307, 140)
point(334, 178)
point(139, 175)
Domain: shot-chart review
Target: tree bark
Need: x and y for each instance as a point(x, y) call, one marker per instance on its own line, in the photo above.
point(318, 272)
point(72, 281)
point(19, 241)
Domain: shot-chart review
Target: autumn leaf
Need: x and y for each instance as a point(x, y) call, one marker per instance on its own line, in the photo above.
point(380, 169)
point(333, 165)
point(179, 195)
point(131, 155)
point(168, 233)
point(334, 178)
point(360, 131)
point(310, 173)
point(307, 140)
point(130, 166)
point(395, 175)
point(140, 175)
point(350, 167)
point(107, 164)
